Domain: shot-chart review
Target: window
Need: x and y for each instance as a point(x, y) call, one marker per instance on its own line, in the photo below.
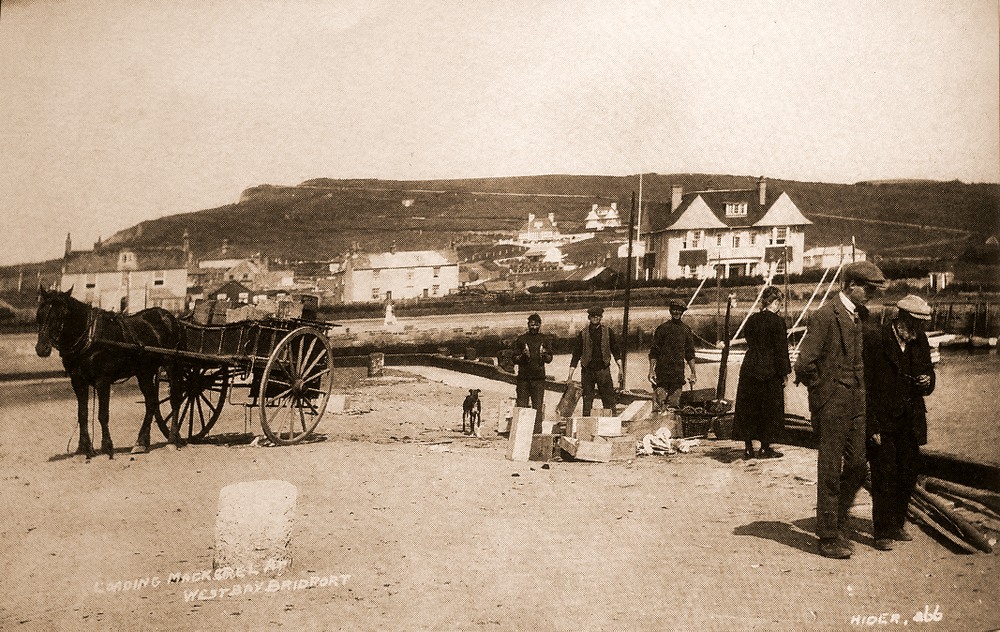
point(158, 277)
point(91, 280)
point(409, 276)
point(376, 274)
point(694, 238)
point(780, 235)
point(753, 239)
point(437, 272)
point(436, 290)
point(736, 209)
point(375, 293)
point(718, 240)
point(779, 267)
point(736, 240)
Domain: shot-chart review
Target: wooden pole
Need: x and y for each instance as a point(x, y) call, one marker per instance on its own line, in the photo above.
point(628, 288)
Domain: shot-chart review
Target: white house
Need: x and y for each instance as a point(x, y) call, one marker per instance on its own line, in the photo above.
point(110, 277)
point(741, 232)
point(824, 257)
point(601, 217)
point(539, 229)
point(363, 277)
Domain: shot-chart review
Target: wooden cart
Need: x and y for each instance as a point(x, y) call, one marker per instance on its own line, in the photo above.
point(282, 367)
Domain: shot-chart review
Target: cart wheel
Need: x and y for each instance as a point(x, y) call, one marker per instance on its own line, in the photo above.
point(296, 386)
point(203, 395)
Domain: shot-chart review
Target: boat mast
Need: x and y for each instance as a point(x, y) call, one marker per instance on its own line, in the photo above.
point(628, 291)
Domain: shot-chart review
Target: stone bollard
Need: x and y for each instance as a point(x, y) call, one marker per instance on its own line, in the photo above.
point(506, 360)
point(253, 528)
point(376, 362)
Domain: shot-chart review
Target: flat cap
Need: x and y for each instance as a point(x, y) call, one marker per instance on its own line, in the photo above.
point(677, 305)
point(535, 318)
point(595, 311)
point(865, 272)
point(915, 306)
point(770, 294)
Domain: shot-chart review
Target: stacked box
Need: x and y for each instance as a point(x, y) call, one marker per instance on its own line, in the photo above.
point(521, 433)
point(598, 451)
point(543, 447)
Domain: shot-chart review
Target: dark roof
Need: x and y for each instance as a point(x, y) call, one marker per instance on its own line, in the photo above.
point(106, 259)
point(661, 217)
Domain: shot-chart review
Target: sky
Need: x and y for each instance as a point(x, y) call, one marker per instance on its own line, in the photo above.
point(117, 111)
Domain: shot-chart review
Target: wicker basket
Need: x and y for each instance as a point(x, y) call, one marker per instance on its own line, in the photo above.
point(695, 424)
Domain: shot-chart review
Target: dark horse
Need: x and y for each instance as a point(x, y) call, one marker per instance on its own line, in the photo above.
point(86, 339)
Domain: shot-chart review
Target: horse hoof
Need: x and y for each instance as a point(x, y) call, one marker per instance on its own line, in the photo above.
point(172, 447)
point(138, 449)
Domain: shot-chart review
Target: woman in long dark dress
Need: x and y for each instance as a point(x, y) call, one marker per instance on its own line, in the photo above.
point(760, 395)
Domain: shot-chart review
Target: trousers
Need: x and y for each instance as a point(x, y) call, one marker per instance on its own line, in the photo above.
point(601, 379)
point(533, 391)
point(841, 462)
point(895, 464)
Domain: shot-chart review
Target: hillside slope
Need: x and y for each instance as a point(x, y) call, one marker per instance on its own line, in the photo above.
point(320, 218)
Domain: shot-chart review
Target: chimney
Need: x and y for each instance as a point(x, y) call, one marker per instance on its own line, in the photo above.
point(186, 242)
point(593, 208)
point(762, 188)
point(225, 247)
point(552, 218)
point(392, 248)
point(69, 245)
point(531, 217)
point(676, 192)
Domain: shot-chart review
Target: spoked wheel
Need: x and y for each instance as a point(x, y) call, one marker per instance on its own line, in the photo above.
point(296, 386)
point(203, 393)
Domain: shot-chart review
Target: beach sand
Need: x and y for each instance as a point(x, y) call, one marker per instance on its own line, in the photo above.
point(424, 528)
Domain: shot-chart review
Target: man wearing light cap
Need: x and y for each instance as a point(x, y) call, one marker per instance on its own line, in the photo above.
point(831, 365)
point(596, 346)
point(898, 375)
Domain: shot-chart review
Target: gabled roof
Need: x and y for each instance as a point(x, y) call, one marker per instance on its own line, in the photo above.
point(106, 259)
point(702, 210)
point(405, 259)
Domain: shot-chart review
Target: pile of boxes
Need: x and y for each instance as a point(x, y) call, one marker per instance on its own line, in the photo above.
point(221, 312)
point(601, 437)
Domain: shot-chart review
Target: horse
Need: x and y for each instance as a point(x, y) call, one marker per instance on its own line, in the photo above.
point(86, 339)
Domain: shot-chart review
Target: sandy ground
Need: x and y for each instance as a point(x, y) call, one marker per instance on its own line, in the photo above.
point(438, 531)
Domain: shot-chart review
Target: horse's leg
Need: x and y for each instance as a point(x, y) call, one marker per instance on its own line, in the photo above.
point(150, 397)
point(103, 413)
point(176, 399)
point(82, 391)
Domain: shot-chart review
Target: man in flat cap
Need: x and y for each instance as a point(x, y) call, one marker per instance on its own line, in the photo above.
point(831, 365)
point(596, 346)
point(671, 349)
point(898, 375)
point(532, 351)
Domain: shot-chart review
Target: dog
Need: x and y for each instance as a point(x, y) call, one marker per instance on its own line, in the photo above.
point(472, 409)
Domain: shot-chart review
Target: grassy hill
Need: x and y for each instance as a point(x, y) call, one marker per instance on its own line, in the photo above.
point(320, 218)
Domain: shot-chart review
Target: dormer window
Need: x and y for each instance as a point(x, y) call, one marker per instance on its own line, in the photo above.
point(736, 209)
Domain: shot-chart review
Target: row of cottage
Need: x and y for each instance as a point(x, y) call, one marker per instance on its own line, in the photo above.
point(744, 232)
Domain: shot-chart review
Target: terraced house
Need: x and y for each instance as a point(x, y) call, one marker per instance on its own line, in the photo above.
point(737, 232)
point(127, 278)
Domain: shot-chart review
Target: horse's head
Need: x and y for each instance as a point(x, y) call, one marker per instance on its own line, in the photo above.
point(53, 312)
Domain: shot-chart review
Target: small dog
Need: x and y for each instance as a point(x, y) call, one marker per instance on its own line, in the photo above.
point(471, 411)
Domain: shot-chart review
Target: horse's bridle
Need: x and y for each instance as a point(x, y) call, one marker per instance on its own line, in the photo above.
point(55, 336)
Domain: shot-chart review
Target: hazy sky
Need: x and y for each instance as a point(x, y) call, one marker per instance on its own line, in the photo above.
point(116, 111)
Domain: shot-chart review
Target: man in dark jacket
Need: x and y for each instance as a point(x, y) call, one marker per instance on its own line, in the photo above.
point(532, 351)
point(596, 346)
point(898, 375)
point(671, 349)
point(831, 365)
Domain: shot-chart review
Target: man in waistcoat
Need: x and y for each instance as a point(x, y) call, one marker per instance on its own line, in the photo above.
point(831, 365)
point(898, 375)
point(596, 346)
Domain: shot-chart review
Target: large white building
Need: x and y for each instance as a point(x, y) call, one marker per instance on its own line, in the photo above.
point(363, 277)
point(740, 232)
point(111, 277)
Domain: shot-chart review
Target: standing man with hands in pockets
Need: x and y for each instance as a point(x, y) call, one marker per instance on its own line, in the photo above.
point(596, 346)
point(831, 365)
point(532, 351)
